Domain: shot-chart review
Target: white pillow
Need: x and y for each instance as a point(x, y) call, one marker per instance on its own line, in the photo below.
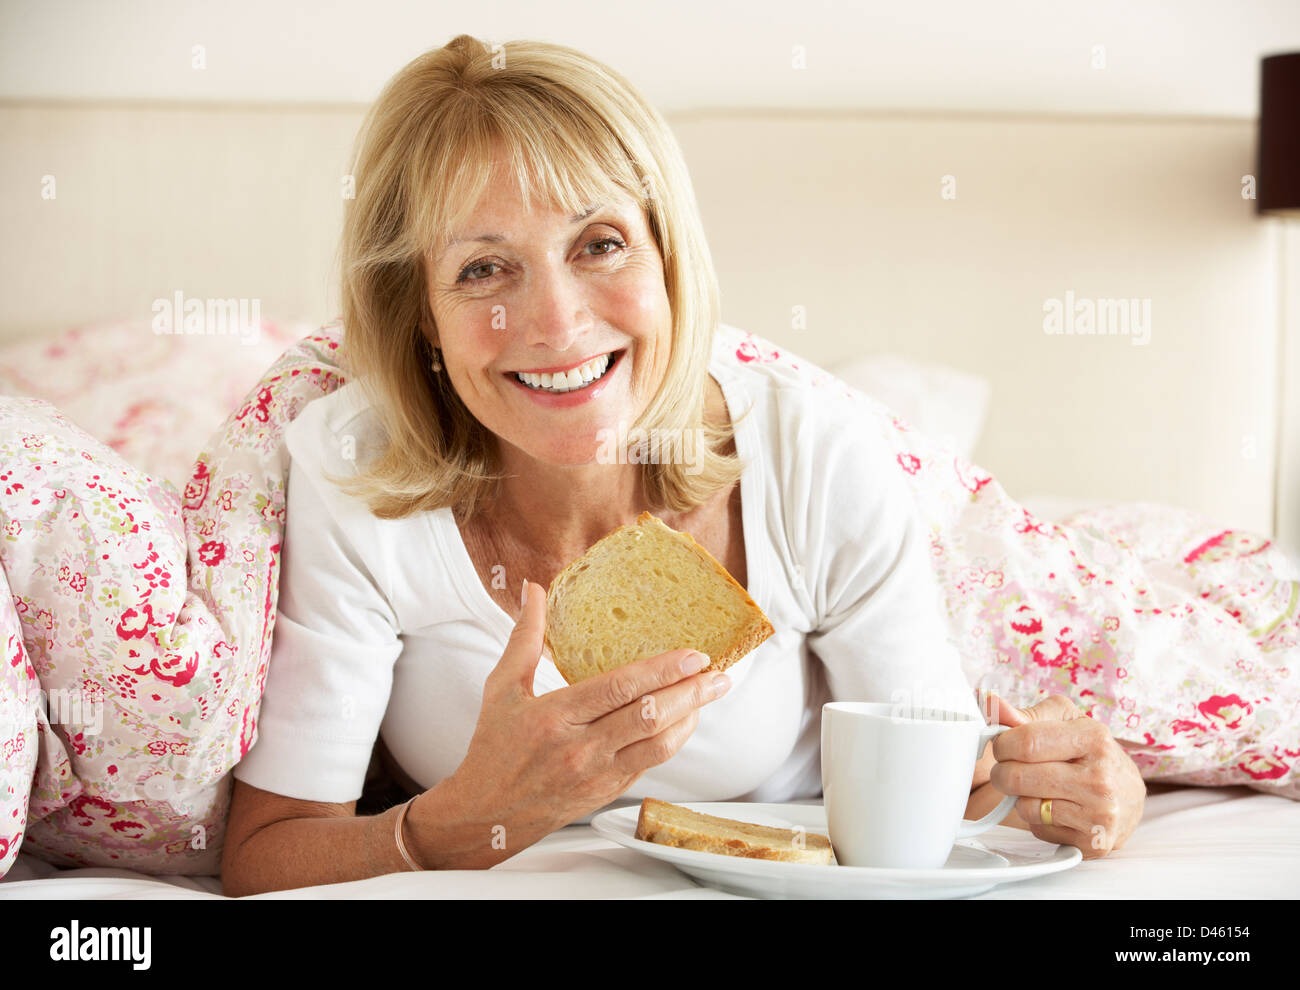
point(155, 398)
point(944, 404)
point(1058, 508)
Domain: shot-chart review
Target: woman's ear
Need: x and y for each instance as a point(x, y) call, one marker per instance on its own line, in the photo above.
point(428, 328)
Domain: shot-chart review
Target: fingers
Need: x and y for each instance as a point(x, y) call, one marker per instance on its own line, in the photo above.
point(1045, 742)
point(1054, 708)
point(1093, 841)
point(1070, 826)
point(515, 671)
point(1063, 836)
point(660, 748)
point(596, 697)
point(1064, 814)
point(652, 713)
point(998, 711)
point(1069, 780)
point(1097, 796)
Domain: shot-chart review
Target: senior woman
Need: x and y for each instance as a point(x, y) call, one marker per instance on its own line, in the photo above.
point(524, 276)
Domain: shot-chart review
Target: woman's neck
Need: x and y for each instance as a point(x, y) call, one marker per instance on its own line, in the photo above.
point(562, 510)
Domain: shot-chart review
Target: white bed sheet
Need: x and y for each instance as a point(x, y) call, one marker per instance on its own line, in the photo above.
point(1193, 842)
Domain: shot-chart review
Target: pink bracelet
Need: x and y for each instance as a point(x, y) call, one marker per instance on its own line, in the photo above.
point(397, 833)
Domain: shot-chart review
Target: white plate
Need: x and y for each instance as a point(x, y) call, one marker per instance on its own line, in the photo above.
point(1000, 855)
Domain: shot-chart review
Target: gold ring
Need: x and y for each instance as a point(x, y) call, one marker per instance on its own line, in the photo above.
point(1045, 810)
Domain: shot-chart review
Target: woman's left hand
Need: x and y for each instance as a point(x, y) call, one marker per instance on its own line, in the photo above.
point(1055, 751)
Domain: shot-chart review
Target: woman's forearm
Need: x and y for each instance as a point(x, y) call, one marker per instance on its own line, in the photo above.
point(447, 830)
point(305, 852)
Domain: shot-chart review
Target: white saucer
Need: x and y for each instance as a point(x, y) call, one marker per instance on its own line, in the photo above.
point(1000, 855)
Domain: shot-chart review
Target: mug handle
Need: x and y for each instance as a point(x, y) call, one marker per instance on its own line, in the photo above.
point(966, 829)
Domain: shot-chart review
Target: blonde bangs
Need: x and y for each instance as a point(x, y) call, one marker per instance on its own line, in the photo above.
point(567, 169)
point(571, 131)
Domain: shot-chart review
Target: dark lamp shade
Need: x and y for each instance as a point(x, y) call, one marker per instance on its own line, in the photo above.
point(1277, 169)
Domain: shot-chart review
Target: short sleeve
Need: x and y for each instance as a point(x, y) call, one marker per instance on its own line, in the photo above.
point(880, 630)
point(333, 649)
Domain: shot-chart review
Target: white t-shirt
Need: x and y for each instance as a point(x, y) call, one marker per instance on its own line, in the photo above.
point(384, 627)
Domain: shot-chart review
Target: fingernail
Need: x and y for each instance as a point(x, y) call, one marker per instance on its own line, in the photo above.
point(523, 595)
point(694, 662)
point(721, 685)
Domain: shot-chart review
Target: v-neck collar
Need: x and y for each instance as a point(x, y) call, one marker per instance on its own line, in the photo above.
point(752, 494)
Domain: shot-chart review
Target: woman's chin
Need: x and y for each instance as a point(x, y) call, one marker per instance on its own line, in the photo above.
point(596, 441)
point(574, 455)
point(574, 449)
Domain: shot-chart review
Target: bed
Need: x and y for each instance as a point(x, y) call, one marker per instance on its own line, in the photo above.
point(130, 386)
point(1250, 839)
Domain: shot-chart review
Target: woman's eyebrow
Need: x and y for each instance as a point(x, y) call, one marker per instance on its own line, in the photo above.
point(498, 238)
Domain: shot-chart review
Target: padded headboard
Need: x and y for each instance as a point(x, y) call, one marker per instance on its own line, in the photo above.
point(940, 238)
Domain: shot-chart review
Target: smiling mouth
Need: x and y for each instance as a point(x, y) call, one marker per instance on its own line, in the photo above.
point(575, 380)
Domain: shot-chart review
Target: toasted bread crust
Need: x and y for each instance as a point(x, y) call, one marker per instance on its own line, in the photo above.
point(753, 634)
point(749, 640)
point(672, 825)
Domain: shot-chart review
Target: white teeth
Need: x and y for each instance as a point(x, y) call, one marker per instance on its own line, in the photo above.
point(566, 382)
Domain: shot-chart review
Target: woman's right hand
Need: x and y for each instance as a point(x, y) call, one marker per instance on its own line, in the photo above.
point(536, 763)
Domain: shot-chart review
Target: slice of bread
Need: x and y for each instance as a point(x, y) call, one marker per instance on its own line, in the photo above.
point(645, 590)
point(673, 825)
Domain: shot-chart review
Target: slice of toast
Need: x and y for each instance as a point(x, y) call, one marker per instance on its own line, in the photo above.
point(673, 825)
point(645, 590)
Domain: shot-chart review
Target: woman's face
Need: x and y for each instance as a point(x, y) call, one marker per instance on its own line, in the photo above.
point(543, 292)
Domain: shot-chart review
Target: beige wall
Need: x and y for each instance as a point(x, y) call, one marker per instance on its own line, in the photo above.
point(214, 202)
point(839, 214)
point(844, 217)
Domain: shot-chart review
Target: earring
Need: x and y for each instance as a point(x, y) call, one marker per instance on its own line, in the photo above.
point(436, 365)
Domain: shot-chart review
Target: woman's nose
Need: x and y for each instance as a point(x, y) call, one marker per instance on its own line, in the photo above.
point(555, 308)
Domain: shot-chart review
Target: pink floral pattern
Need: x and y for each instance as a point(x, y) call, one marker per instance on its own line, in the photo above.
point(138, 392)
point(155, 601)
point(1182, 636)
point(152, 608)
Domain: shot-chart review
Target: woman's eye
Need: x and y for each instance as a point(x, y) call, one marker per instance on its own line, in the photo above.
point(466, 272)
point(607, 240)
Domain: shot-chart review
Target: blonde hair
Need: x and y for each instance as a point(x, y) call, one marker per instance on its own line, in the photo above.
point(573, 129)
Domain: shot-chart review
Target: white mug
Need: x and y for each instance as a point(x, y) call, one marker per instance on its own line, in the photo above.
point(895, 782)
